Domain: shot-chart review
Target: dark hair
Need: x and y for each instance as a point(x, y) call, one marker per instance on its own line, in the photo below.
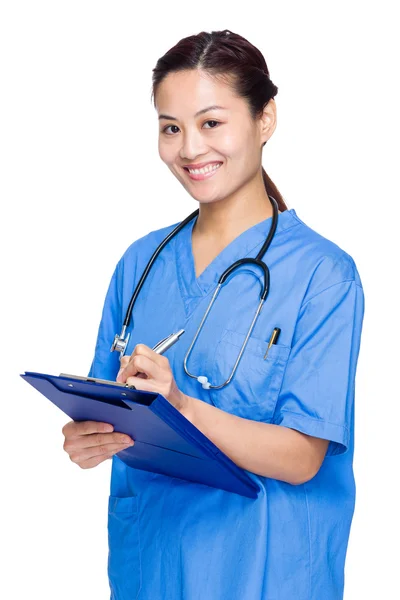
point(231, 57)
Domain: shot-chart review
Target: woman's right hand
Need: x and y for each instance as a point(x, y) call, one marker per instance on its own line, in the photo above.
point(89, 443)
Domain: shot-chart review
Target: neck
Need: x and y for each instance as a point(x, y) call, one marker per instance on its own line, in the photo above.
point(225, 219)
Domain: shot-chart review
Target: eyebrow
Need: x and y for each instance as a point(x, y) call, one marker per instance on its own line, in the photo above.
point(200, 112)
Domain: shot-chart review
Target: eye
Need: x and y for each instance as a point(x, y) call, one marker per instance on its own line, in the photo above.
point(165, 128)
point(212, 121)
point(209, 121)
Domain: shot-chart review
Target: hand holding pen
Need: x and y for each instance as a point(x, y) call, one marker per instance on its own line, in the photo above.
point(161, 347)
point(89, 443)
point(145, 371)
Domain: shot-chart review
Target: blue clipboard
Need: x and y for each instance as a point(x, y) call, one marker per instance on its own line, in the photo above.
point(165, 441)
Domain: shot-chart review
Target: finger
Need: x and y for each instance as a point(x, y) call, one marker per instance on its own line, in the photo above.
point(147, 385)
point(139, 364)
point(95, 439)
point(93, 462)
point(82, 454)
point(143, 350)
point(124, 361)
point(77, 428)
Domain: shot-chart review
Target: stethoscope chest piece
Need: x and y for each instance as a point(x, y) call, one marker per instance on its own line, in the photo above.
point(120, 343)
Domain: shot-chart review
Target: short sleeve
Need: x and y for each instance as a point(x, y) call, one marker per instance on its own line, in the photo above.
point(105, 364)
point(317, 393)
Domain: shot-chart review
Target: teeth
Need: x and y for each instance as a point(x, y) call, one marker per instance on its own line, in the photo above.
point(204, 170)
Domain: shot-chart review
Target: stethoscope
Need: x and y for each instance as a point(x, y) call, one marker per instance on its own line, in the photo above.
point(121, 341)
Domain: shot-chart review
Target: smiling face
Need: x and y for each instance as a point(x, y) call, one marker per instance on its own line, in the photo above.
point(225, 136)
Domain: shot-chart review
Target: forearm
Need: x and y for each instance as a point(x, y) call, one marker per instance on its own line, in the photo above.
point(265, 449)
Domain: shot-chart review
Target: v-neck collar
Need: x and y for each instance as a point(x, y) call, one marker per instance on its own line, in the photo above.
point(242, 246)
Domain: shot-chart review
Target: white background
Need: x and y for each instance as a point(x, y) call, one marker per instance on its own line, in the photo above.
point(81, 179)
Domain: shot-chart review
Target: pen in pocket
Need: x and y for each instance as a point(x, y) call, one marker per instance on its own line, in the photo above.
point(273, 339)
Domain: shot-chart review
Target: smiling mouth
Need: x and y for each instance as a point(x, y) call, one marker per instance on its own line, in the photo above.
point(204, 170)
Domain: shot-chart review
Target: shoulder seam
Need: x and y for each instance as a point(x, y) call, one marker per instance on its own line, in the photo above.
point(288, 228)
point(328, 288)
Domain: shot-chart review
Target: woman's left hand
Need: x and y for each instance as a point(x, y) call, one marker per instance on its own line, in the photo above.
point(151, 372)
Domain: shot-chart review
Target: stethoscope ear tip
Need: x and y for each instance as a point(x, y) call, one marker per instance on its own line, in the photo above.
point(204, 382)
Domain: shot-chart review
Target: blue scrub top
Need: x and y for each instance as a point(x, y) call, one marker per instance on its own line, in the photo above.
point(170, 539)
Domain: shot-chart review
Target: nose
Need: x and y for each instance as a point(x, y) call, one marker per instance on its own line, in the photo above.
point(193, 146)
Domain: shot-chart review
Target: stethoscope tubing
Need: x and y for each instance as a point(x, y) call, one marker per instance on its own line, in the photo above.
point(120, 342)
point(264, 293)
point(223, 277)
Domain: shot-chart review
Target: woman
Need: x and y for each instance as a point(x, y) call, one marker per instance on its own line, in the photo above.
point(287, 418)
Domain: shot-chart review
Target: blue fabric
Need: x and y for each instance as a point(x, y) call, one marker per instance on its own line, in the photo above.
point(175, 540)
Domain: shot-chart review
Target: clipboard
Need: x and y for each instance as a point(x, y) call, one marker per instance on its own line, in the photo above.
point(165, 441)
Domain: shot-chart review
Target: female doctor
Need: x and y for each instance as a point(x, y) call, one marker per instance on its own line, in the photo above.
point(287, 415)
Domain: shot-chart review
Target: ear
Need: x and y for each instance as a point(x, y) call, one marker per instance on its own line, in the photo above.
point(268, 121)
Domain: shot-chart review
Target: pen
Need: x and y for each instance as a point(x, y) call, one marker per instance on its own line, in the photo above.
point(167, 342)
point(273, 340)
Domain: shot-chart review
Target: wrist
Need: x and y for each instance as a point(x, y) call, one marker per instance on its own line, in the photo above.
point(186, 407)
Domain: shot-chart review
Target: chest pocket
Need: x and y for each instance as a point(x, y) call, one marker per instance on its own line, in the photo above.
point(254, 388)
